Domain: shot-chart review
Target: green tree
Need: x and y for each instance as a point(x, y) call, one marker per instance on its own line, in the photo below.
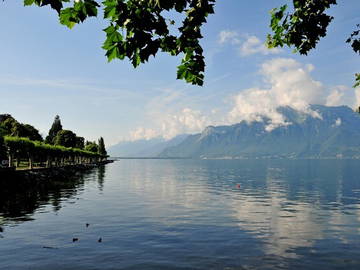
point(65, 138)
point(3, 117)
point(32, 133)
point(92, 147)
point(9, 126)
point(304, 26)
point(55, 128)
point(80, 142)
point(101, 148)
point(140, 28)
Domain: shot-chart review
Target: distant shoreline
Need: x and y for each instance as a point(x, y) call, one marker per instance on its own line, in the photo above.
point(117, 158)
point(243, 158)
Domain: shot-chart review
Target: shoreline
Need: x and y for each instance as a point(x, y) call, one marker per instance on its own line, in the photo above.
point(47, 173)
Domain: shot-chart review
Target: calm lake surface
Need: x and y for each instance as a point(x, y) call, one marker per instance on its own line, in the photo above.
point(187, 214)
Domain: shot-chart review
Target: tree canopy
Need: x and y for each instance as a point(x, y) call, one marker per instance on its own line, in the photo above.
point(11, 127)
point(101, 147)
point(65, 138)
point(55, 128)
point(304, 26)
point(91, 147)
point(140, 28)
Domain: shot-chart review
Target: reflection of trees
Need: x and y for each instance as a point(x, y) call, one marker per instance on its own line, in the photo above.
point(101, 176)
point(21, 196)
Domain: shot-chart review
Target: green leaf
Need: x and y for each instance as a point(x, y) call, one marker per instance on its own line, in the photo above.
point(357, 80)
point(28, 2)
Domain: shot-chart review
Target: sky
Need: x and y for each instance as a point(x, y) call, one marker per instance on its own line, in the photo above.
point(47, 69)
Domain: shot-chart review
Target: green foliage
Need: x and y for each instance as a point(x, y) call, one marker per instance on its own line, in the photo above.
point(101, 147)
point(9, 126)
point(23, 147)
point(55, 128)
point(354, 39)
point(65, 138)
point(78, 13)
point(91, 147)
point(139, 29)
point(357, 80)
point(80, 142)
point(305, 26)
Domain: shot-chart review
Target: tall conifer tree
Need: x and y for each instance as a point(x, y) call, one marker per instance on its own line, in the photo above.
point(102, 149)
point(55, 128)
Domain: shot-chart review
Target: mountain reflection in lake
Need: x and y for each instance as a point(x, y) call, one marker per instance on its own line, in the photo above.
point(186, 214)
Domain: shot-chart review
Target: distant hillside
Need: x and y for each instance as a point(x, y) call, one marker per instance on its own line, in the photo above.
point(337, 134)
point(144, 148)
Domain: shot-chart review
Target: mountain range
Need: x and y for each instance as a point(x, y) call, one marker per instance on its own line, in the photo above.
point(334, 133)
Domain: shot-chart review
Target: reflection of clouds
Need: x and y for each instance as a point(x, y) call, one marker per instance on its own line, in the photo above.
point(283, 225)
point(285, 215)
point(171, 185)
point(281, 228)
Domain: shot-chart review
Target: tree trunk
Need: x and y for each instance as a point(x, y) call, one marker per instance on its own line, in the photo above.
point(30, 163)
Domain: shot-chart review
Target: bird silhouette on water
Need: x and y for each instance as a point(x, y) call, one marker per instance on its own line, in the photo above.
point(75, 239)
point(100, 240)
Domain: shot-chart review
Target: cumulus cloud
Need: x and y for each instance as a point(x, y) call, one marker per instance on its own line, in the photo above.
point(247, 45)
point(227, 36)
point(186, 121)
point(253, 45)
point(340, 95)
point(289, 84)
point(143, 134)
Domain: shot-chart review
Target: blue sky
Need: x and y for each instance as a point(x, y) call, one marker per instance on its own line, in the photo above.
point(47, 69)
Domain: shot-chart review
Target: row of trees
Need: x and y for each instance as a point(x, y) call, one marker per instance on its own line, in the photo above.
point(21, 143)
point(67, 138)
point(40, 154)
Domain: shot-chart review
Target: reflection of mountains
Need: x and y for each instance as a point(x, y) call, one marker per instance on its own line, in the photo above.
point(288, 205)
point(20, 198)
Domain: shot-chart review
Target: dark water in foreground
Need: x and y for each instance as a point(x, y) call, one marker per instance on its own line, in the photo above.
point(186, 214)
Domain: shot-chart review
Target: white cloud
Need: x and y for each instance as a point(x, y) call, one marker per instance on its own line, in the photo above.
point(340, 95)
point(253, 45)
point(357, 96)
point(247, 45)
point(289, 84)
point(186, 121)
point(143, 134)
point(227, 36)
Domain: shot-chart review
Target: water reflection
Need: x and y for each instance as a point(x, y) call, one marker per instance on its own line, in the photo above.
point(101, 176)
point(21, 197)
point(193, 214)
point(288, 205)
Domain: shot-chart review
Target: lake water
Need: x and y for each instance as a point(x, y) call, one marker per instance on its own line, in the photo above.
point(187, 214)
